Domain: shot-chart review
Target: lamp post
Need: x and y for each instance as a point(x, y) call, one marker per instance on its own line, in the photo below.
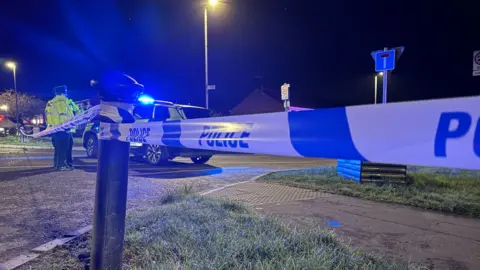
point(13, 66)
point(376, 85)
point(211, 3)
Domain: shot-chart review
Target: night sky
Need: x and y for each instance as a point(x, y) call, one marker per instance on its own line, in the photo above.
point(322, 48)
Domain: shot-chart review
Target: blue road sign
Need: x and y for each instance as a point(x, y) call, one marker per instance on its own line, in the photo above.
point(384, 60)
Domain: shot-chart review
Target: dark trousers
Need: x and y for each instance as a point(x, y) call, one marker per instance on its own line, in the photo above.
point(69, 149)
point(60, 143)
point(54, 152)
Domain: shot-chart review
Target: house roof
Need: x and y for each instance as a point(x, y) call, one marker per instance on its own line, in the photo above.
point(263, 100)
point(259, 101)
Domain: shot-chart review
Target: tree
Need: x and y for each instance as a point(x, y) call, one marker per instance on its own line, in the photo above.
point(28, 105)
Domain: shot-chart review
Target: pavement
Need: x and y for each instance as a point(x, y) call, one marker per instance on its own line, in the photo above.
point(432, 239)
point(38, 204)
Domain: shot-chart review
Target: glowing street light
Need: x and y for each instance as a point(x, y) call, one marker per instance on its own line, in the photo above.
point(213, 2)
point(376, 85)
point(13, 66)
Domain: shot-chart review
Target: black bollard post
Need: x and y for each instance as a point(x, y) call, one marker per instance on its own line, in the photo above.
point(118, 93)
point(110, 205)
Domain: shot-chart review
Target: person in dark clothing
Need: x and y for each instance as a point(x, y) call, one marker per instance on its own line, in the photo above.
point(59, 110)
point(55, 165)
point(76, 110)
point(69, 150)
point(61, 148)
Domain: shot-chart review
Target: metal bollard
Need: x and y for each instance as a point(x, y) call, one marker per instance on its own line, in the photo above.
point(118, 91)
point(110, 205)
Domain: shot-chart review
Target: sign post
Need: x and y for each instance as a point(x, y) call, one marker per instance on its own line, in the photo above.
point(385, 85)
point(285, 90)
point(385, 62)
point(359, 170)
point(476, 63)
point(118, 93)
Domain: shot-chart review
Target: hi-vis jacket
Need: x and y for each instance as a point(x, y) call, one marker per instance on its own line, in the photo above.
point(59, 110)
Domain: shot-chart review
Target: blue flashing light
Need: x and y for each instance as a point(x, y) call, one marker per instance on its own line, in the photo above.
point(146, 99)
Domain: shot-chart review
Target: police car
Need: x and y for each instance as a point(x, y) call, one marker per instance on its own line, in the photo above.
point(153, 111)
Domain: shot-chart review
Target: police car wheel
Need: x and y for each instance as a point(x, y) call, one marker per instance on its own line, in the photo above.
point(155, 154)
point(91, 146)
point(201, 160)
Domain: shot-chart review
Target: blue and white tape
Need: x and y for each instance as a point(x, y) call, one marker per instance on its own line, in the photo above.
point(444, 133)
point(77, 120)
point(107, 112)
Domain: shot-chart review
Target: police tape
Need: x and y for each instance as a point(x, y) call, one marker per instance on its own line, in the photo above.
point(443, 133)
point(77, 120)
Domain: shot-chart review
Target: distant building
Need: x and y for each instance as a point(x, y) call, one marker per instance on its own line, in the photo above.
point(262, 101)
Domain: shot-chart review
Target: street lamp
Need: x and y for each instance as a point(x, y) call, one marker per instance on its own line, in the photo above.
point(376, 85)
point(211, 3)
point(13, 66)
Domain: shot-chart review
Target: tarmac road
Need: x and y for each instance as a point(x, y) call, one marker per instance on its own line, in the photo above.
point(19, 160)
point(38, 204)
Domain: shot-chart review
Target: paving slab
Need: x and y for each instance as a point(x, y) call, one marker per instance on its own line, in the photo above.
point(256, 193)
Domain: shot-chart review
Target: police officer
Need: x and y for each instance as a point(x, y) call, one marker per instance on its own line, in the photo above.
point(59, 110)
point(75, 111)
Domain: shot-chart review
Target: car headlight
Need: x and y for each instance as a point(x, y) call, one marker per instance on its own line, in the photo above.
point(2, 129)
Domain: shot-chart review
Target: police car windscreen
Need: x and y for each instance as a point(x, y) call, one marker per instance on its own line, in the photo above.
point(193, 113)
point(143, 111)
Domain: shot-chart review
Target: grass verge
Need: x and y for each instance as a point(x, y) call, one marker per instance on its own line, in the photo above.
point(192, 232)
point(43, 141)
point(14, 140)
point(451, 191)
